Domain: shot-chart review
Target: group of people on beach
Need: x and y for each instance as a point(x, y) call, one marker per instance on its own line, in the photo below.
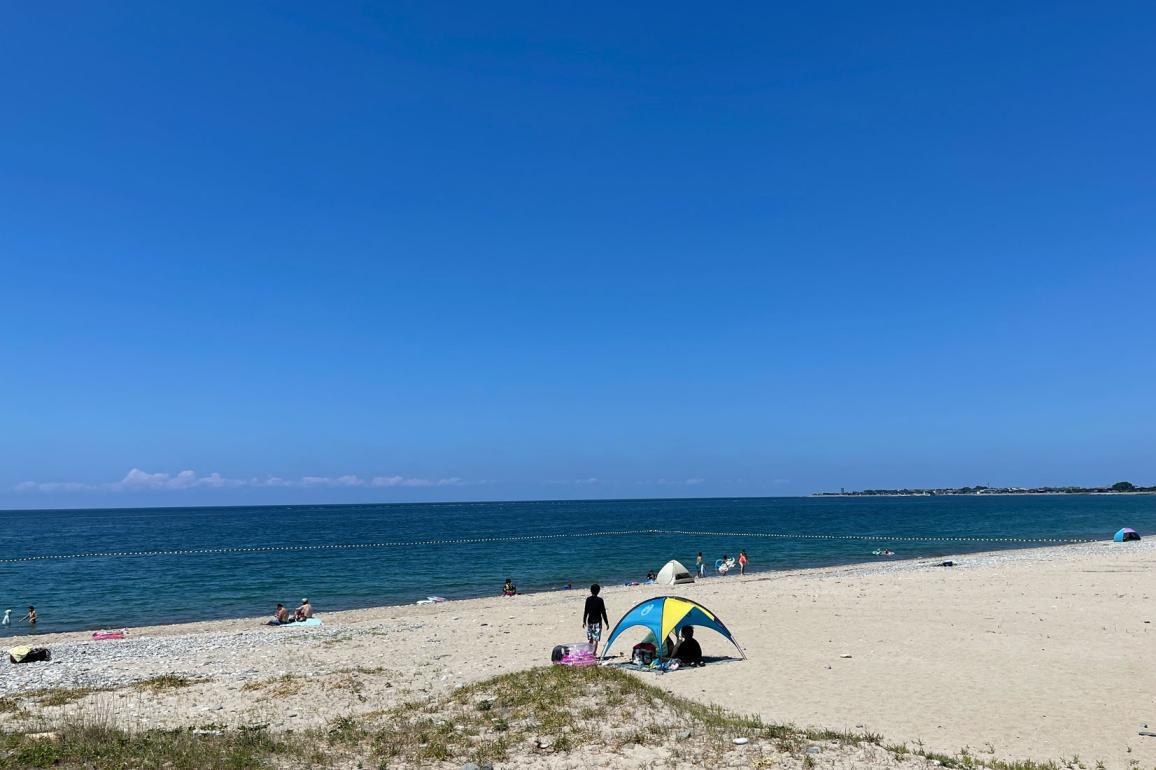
point(281, 615)
point(29, 617)
point(724, 565)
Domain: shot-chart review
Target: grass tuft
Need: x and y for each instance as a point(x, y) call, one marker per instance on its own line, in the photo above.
point(166, 682)
point(509, 718)
point(62, 696)
point(83, 746)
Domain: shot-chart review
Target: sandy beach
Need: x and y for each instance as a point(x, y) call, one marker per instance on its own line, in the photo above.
point(1017, 654)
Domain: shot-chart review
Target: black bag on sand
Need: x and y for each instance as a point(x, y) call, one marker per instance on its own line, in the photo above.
point(29, 654)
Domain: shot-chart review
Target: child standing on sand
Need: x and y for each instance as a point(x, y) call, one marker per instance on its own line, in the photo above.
point(699, 567)
point(593, 616)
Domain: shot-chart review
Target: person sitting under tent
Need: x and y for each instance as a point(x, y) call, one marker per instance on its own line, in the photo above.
point(688, 652)
point(663, 615)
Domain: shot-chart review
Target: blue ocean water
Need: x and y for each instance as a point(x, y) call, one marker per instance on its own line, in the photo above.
point(107, 591)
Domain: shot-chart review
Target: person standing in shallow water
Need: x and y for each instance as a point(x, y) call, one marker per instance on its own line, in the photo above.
point(743, 562)
point(699, 567)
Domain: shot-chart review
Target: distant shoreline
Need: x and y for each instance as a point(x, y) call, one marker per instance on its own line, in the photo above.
point(983, 494)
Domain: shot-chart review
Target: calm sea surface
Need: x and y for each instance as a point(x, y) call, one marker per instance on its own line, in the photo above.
point(100, 592)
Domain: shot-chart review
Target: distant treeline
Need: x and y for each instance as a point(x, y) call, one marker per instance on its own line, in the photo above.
point(1120, 487)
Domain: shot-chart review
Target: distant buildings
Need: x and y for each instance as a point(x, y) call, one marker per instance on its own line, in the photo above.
point(1119, 488)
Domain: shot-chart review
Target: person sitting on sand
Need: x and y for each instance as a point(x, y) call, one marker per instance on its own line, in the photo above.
point(280, 616)
point(688, 651)
point(651, 575)
point(304, 612)
point(509, 589)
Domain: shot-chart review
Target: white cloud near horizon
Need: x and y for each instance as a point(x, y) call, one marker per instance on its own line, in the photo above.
point(137, 479)
point(691, 482)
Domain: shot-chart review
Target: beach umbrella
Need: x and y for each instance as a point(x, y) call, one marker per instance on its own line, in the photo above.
point(664, 615)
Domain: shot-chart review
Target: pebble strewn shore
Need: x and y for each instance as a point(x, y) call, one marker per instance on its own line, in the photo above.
point(226, 657)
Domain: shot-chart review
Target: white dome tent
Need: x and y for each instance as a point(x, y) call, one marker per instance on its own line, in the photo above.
point(673, 574)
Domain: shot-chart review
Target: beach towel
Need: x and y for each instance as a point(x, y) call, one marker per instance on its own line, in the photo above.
point(296, 623)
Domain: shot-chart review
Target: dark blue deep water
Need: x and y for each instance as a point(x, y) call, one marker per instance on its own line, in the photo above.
point(97, 592)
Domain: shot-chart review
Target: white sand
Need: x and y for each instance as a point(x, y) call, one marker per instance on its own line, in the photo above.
point(1039, 654)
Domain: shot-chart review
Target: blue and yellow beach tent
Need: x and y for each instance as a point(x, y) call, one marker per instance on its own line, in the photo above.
point(664, 615)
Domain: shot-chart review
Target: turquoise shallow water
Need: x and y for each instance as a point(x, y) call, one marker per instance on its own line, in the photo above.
point(108, 591)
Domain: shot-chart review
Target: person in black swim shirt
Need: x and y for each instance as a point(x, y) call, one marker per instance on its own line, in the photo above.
point(593, 616)
point(688, 651)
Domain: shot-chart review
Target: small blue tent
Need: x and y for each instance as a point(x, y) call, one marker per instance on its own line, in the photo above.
point(1126, 534)
point(664, 615)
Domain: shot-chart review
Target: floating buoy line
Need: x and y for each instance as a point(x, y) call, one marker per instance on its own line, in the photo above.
point(551, 536)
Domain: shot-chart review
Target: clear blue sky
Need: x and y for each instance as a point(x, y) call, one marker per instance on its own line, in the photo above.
point(519, 251)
